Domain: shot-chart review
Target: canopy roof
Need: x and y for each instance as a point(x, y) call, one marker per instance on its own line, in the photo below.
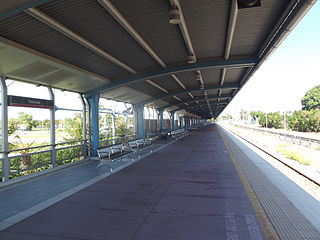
point(128, 51)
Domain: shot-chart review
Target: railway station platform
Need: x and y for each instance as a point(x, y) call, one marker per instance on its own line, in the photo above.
point(208, 185)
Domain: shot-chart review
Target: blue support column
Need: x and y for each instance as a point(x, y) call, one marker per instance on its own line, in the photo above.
point(94, 118)
point(186, 124)
point(139, 120)
point(172, 120)
point(161, 123)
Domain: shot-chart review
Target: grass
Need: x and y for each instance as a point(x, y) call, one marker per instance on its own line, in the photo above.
point(294, 156)
point(284, 145)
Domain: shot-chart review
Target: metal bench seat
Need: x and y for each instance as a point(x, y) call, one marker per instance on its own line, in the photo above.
point(109, 154)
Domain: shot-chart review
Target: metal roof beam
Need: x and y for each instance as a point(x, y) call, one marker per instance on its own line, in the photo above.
point(230, 32)
point(184, 29)
point(81, 40)
point(114, 12)
point(200, 110)
point(235, 63)
point(198, 99)
point(11, 8)
point(170, 94)
point(41, 16)
point(205, 104)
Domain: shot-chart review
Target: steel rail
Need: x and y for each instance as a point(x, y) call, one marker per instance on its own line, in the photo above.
point(276, 158)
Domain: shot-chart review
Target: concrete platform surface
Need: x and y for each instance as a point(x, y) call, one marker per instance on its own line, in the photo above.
point(188, 190)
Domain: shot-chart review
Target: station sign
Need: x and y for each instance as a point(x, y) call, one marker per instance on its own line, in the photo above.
point(18, 101)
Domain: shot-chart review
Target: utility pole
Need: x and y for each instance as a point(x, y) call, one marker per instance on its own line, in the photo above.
point(266, 120)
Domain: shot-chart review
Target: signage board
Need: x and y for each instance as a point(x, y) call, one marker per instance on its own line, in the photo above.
point(29, 102)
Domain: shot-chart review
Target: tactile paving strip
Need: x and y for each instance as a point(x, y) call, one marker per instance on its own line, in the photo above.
point(287, 220)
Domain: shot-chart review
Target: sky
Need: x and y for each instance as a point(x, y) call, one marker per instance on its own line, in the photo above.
point(287, 75)
point(278, 85)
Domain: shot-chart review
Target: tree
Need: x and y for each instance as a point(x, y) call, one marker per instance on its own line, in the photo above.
point(275, 120)
point(305, 121)
point(73, 127)
point(46, 123)
point(270, 120)
point(122, 127)
point(27, 120)
point(12, 125)
point(256, 115)
point(311, 99)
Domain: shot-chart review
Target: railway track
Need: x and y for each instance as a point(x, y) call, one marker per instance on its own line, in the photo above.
point(300, 140)
point(315, 181)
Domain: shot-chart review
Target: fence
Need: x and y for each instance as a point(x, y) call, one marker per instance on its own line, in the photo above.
point(303, 141)
point(24, 161)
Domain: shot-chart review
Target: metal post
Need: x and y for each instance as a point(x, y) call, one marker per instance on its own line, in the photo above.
point(52, 129)
point(139, 120)
point(84, 126)
point(149, 123)
point(94, 120)
point(113, 124)
point(4, 130)
point(161, 119)
point(266, 120)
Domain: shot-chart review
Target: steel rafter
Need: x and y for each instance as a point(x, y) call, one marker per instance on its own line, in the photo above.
point(198, 99)
point(232, 63)
point(227, 86)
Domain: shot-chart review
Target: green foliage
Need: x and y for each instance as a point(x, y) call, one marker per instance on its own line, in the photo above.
point(25, 161)
point(27, 120)
point(122, 127)
point(46, 123)
point(305, 121)
point(311, 99)
point(294, 156)
point(12, 125)
point(274, 120)
point(73, 126)
point(256, 114)
point(68, 155)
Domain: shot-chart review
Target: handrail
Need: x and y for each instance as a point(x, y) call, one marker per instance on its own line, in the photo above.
point(35, 153)
point(42, 146)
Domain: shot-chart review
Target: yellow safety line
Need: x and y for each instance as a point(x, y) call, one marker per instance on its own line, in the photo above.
point(267, 227)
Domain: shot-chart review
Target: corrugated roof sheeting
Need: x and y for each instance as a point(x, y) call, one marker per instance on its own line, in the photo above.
point(150, 19)
point(167, 82)
point(212, 92)
point(211, 76)
point(188, 79)
point(254, 25)
point(227, 91)
point(233, 75)
point(170, 100)
point(207, 23)
point(95, 24)
point(198, 93)
point(206, 20)
point(34, 34)
point(125, 94)
point(146, 88)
